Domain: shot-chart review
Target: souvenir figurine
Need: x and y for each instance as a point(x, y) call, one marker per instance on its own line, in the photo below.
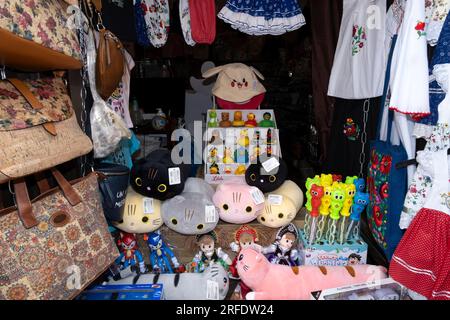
point(227, 170)
point(130, 256)
point(337, 177)
point(269, 150)
point(267, 121)
point(245, 237)
point(209, 253)
point(227, 155)
point(350, 179)
point(251, 122)
point(213, 155)
point(279, 282)
point(284, 251)
point(214, 168)
point(256, 137)
point(216, 139)
point(225, 122)
point(256, 153)
point(269, 137)
point(212, 122)
point(160, 253)
point(241, 155)
point(237, 121)
point(240, 170)
point(243, 140)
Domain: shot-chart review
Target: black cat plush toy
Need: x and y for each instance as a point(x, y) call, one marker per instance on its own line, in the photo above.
point(266, 181)
point(156, 176)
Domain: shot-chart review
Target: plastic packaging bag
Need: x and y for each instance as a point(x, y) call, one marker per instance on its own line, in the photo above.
point(107, 127)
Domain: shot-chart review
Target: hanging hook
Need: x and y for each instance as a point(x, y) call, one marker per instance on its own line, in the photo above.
point(3, 72)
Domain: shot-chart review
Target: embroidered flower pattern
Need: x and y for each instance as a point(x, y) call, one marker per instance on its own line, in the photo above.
point(359, 38)
point(420, 28)
point(378, 185)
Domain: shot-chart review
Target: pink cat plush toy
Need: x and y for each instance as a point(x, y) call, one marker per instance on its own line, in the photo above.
point(278, 282)
point(238, 203)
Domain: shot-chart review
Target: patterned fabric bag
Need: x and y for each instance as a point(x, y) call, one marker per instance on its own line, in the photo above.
point(52, 248)
point(37, 35)
point(386, 184)
point(37, 123)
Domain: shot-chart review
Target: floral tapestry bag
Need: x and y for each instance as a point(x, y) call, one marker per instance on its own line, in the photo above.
point(38, 35)
point(386, 184)
point(51, 248)
point(38, 127)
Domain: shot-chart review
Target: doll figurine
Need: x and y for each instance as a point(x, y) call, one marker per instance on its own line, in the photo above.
point(227, 170)
point(214, 168)
point(212, 122)
point(256, 153)
point(227, 155)
point(360, 185)
point(213, 157)
point(245, 237)
point(238, 122)
point(241, 155)
point(251, 122)
point(209, 253)
point(225, 122)
point(216, 139)
point(283, 251)
point(309, 183)
point(130, 256)
point(240, 170)
point(267, 121)
point(160, 253)
point(243, 140)
point(317, 193)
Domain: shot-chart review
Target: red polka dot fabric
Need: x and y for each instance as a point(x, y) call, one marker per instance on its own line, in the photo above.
point(421, 261)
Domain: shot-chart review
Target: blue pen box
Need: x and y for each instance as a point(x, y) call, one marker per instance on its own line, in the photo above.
point(353, 251)
point(124, 292)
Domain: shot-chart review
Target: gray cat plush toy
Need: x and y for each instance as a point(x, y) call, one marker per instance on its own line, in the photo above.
point(192, 212)
point(212, 284)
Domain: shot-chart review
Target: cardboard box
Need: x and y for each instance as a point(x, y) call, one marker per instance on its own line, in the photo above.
point(227, 146)
point(385, 289)
point(324, 254)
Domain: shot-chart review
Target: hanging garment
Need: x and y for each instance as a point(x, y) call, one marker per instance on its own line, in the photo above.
point(203, 20)
point(422, 260)
point(436, 12)
point(185, 21)
point(260, 17)
point(119, 101)
point(440, 56)
point(359, 64)
point(157, 18)
point(344, 148)
point(409, 70)
point(141, 25)
point(123, 155)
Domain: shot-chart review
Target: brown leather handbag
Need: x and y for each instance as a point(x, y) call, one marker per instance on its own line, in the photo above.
point(110, 58)
point(56, 245)
point(38, 127)
point(37, 36)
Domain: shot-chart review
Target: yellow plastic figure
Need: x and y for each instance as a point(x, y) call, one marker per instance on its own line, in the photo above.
point(326, 180)
point(227, 156)
point(326, 201)
point(350, 191)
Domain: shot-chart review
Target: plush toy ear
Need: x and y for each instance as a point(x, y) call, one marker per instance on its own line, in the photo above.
point(257, 73)
point(212, 72)
point(178, 199)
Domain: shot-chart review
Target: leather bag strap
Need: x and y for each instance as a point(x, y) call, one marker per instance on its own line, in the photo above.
point(33, 101)
point(22, 198)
